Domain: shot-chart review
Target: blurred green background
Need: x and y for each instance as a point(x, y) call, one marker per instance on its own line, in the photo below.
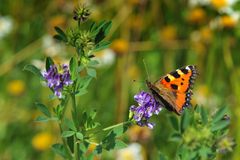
point(166, 34)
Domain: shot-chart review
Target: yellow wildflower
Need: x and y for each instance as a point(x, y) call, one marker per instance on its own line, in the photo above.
point(16, 87)
point(228, 21)
point(197, 15)
point(218, 4)
point(206, 34)
point(42, 141)
point(168, 33)
point(120, 46)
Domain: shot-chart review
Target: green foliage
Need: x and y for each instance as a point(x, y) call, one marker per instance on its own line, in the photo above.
point(43, 109)
point(34, 70)
point(198, 134)
point(73, 68)
point(61, 36)
point(59, 149)
point(49, 62)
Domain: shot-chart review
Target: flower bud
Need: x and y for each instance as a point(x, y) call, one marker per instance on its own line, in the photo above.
point(81, 13)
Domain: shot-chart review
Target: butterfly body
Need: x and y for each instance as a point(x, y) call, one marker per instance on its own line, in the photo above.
point(173, 91)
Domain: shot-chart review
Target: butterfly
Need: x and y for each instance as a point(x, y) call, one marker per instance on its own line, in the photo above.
point(174, 90)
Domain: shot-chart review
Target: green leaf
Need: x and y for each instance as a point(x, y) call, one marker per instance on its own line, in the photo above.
point(220, 125)
point(43, 109)
point(120, 144)
point(58, 111)
point(174, 122)
point(73, 68)
point(102, 32)
point(119, 130)
point(41, 119)
point(107, 26)
point(84, 82)
point(92, 72)
point(96, 27)
point(102, 45)
point(204, 152)
point(34, 70)
point(162, 156)
point(204, 115)
point(58, 37)
point(81, 92)
point(220, 114)
point(92, 113)
point(68, 133)
point(93, 63)
point(61, 33)
point(109, 141)
point(93, 26)
point(69, 123)
point(175, 137)
point(185, 120)
point(88, 119)
point(79, 135)
point(98, 149)
point(83, 149)
point(49, 62)
point(59, 149)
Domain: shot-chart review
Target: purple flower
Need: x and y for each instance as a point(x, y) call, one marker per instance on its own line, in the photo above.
point(57, 78)
point(147, 107)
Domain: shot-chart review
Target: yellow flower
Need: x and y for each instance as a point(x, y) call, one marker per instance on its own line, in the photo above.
point(228, 21)
point(16, 87)
point(168, 33)
point(206, 34)
point(197, 15)
point(120, 46)
point(42, 141)
point(218, 4)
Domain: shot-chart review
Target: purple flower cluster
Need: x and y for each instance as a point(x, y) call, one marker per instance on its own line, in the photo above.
point(57, 78)
point(147, 107)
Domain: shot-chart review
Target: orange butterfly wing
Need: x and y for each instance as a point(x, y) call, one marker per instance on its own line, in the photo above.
point(175, 88)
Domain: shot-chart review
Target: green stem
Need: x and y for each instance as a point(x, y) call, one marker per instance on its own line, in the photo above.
point(76, 149)
point(74, 107)
point(65, 144)
point(116, 125)
point(74, 104)
point(79, 22)
point(64, 104)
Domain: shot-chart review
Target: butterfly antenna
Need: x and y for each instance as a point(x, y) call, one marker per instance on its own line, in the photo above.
point(146, 69)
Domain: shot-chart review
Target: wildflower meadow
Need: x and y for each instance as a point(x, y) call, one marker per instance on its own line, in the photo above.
point(120, 80)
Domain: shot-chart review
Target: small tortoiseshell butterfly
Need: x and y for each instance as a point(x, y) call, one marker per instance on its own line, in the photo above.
point(173, 91)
